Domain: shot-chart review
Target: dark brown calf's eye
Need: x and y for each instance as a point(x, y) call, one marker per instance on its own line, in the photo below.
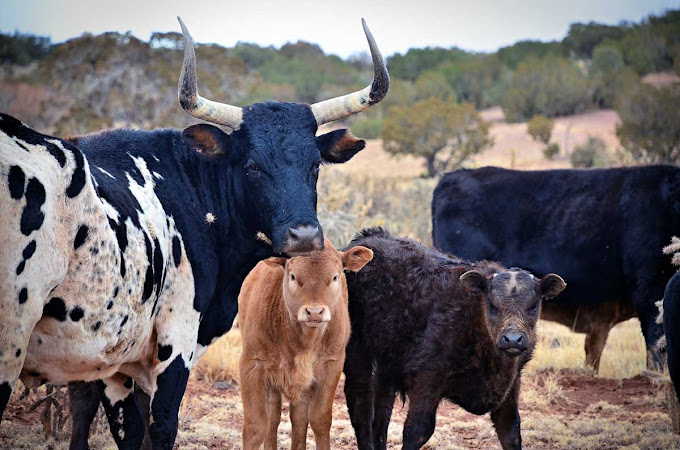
point(251, 166)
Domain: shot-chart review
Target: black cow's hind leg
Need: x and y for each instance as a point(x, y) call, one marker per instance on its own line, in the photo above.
point(83, 403)
point(125, 418)
point(171, 384)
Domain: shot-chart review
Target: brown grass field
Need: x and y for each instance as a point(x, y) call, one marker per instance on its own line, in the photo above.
point(563, 404)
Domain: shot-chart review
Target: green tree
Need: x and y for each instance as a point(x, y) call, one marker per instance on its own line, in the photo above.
point(540, 129)
point(444, 133)
point(551, 86)
point(433, 84)
point(650, 124)
point(513, 55)
point(583, 38)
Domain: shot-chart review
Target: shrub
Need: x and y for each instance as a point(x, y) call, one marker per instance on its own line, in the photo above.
point(540, 128)
point(551, 151)
point(591, 153)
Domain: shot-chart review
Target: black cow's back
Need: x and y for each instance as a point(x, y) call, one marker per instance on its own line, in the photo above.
point(597, 228)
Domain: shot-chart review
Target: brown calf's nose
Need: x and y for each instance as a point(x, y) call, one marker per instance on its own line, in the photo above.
point(314, 313)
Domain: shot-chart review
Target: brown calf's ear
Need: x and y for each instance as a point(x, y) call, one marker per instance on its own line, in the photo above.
point(208, 140)
point(551, 285)
point(474, 282)
point(339, 146)
point(276, 262)
point(356, 257)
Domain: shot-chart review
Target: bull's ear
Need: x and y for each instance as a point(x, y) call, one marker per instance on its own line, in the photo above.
point(208, 140)
point(474, 282)
point(551, 285)
point(275, 262)
point(339, 146)
point(356, 257)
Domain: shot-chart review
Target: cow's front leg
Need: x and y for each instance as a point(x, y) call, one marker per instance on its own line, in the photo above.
point(321, 404)
point(124, 416)
point(507, 422)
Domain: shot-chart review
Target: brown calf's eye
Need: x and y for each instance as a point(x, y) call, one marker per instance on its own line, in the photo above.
point(335, 278)
point(292, 277)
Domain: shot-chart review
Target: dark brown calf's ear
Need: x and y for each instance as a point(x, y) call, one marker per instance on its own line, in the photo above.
point(208, 140)
point(356, 257)
point(551, 285)
point(474, 282)
point(339, 146)
point(276, 262)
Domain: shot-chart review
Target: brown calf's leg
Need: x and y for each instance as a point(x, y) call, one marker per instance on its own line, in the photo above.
point(299, 419)
point(321, 405)
point(595, 342)
point(255, 417)
point(507, 422)
point(274, 403)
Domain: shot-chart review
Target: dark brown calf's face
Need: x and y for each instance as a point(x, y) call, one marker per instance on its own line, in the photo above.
point(314, 285)
point(513, 303)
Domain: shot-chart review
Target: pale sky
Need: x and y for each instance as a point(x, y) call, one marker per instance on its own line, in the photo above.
point(480, 25)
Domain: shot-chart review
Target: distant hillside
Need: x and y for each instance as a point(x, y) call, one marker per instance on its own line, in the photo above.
point(114, 79)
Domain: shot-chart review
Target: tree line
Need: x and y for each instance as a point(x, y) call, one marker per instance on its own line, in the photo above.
point(115, 79)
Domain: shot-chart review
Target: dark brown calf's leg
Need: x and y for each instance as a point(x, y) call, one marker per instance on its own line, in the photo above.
point(359, 394)
point(507, 422)
point(83, 403)
point(424, 397)
point(383, 404)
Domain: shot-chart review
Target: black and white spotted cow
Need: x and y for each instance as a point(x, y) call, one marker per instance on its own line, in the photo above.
point(123, 252)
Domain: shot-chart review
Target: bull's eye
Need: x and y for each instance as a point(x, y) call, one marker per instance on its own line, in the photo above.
point(533, 309)
point(315, 167)
point(492, 309)
point(251, 167)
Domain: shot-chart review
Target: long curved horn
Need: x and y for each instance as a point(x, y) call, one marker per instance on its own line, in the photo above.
point(339, 107)
point(194, 104)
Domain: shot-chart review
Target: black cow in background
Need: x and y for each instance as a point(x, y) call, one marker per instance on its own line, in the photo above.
point(128, 248)
point(601, 229)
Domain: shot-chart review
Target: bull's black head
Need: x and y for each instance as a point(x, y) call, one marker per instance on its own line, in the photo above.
point(275, 149)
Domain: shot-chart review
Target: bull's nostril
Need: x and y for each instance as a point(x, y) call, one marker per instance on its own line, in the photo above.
point(520, 339)
point(505, 339)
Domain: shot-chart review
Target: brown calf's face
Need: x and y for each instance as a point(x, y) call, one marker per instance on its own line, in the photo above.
point(314, 285)
point(513, 300)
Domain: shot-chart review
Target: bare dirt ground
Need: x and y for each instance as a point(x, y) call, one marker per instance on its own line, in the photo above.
point(588, 412)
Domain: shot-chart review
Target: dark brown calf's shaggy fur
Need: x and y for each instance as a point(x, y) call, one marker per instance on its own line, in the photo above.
point(434, 327)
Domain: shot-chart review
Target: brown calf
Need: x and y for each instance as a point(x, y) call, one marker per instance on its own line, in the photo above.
point(295, 326)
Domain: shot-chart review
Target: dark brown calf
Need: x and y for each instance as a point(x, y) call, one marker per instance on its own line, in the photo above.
point(433, 327)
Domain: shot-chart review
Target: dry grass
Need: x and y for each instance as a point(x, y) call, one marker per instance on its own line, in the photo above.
point(558, 348)
point(563, 404)
point(220, 362)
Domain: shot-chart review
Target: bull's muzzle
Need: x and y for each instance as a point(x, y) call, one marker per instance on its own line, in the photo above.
point(303, 239)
